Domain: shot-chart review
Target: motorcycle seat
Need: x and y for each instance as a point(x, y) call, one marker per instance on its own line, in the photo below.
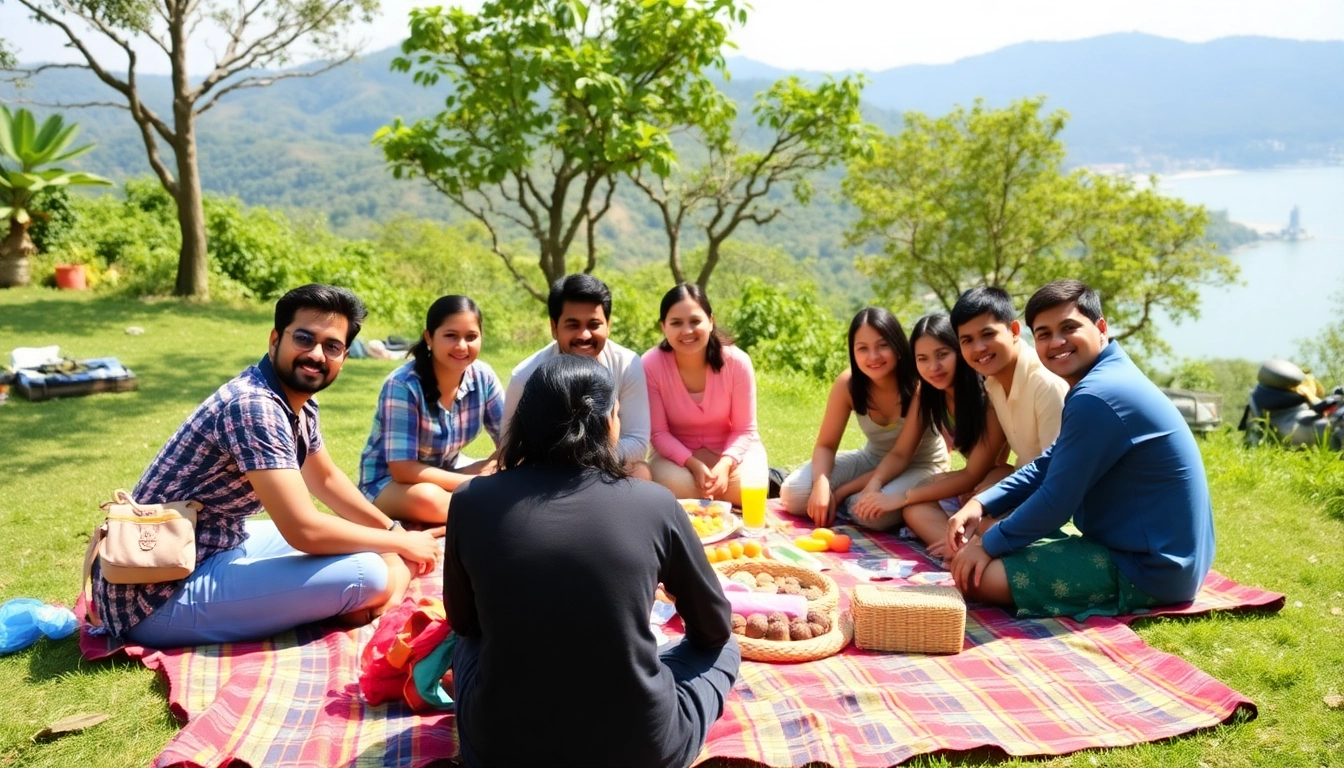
point(1271, 399)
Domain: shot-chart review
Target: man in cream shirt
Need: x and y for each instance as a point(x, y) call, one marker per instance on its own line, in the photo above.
point(1027, 397)
point(580, 311)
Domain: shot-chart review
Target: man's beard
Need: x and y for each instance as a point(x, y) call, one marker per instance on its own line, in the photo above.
point(298, 381)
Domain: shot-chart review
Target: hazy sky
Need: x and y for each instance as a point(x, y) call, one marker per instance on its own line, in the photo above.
point(878, 34)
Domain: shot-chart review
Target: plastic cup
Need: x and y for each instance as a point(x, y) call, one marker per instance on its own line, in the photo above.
point(755, 480)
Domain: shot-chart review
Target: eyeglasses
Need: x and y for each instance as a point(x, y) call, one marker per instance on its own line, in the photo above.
point(304, 341)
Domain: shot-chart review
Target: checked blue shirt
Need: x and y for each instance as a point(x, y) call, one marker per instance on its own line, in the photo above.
point(405, 428)
point(246, 424)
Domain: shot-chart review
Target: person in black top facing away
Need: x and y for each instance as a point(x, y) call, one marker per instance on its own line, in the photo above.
point(550, 570)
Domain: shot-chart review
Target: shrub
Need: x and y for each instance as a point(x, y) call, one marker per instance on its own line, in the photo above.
point(783, 332)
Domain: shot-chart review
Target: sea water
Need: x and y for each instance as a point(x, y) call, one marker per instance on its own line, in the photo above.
point(1288, 287)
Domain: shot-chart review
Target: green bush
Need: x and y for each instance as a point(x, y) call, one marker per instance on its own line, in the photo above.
point(789, 332)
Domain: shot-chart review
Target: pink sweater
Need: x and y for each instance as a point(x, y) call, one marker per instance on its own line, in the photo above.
point(724, 421)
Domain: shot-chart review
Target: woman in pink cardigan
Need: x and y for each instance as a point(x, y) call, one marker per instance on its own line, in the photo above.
point(702, 401)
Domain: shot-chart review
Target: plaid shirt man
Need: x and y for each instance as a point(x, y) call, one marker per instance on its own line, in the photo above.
point(406, 428)
point(247, 424)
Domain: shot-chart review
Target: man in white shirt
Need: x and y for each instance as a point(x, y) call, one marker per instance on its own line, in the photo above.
point(1027, 398)
point(580, 310)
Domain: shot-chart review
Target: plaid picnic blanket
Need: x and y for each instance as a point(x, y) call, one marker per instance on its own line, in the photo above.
point(292, 700)
point(1024, 686)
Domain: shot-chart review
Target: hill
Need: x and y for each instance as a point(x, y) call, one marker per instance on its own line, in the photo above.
point(304, 143)
point(1149, 102)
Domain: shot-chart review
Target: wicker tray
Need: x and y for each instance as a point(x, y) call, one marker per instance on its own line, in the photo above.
point(908, 619)
point(789, 651)
point(830, 592)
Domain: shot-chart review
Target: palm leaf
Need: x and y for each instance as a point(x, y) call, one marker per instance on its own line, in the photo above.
point(25, 128)
point(79, 178)
point(5, 212)
point(72, 153)
point(51, 127)
point(47, 153)
point(7, 134)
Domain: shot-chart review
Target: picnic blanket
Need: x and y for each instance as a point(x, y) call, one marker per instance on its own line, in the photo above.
point(1023, 686)
point(292, 700)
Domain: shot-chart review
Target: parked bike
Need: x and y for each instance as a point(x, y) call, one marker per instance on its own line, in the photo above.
point(1289, 408)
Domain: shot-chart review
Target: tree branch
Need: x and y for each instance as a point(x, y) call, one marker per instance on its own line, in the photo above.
point(262, 82)
point(495, 246)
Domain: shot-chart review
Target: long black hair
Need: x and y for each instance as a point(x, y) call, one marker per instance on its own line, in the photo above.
point(967, 385)
point(562, 418)
point(717, 340)
point(443, 308)
point(889, 328)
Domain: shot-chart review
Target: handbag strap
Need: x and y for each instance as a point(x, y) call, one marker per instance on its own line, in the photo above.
point(90, 611)
point(120, 496)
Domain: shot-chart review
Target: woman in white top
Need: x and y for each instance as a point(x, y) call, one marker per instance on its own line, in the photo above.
point(880, 388)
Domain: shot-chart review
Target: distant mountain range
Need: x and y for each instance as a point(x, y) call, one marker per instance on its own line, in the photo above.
point(1149, 102)
point(1146, 102)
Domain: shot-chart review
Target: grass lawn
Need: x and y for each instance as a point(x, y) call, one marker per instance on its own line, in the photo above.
point(1279, 520)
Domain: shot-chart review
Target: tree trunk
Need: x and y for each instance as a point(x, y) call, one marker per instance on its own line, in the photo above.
point(14, 253)
point(193, 267)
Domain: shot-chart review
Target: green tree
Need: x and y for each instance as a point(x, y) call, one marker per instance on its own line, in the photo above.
point(980, 197)
point(30, 148)
point(251, 36)
point(813, 130)
point(1324, 352)
point(551, 101)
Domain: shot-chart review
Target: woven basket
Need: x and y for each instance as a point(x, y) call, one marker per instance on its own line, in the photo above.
point(789, 651)
point(908, 619)
point(830, 593)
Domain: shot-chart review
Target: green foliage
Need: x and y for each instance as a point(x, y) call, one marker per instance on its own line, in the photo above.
point(57, 218)
point(1324, 352)
point(26, 149)
point(814, 129)
point(549, 102)
point(1274, 528)
point(979, 197)
point(1194, 374)
point(424, 260)
point(1227, 234)
point(788, 331)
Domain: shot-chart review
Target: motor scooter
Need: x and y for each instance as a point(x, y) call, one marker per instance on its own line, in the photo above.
point(1281, 412)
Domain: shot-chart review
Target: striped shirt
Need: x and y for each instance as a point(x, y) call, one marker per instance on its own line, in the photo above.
point(406, 428)
point(247, 424)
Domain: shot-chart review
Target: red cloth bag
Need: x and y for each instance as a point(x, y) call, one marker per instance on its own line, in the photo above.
point(406, 636)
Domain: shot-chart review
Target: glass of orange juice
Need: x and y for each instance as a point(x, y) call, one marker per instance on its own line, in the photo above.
point(754, 475)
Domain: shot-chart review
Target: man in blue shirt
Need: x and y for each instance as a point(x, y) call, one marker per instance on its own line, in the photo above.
point(1125, 468)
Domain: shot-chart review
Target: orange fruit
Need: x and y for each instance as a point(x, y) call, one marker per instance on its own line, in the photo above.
point(712, 554)
point(723, 553)
point(736, 549)
point(840, 543)
point(752, 549)
point(824, 534)
point(809, 544)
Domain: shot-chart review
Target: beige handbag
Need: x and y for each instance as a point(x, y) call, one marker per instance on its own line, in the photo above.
point(143, 543)
point(147, 543)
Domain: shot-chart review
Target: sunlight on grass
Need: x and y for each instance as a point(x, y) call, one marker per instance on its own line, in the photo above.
point(1279, 517)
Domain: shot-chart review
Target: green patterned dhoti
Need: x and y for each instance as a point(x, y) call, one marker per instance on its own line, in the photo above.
point(1071, 576)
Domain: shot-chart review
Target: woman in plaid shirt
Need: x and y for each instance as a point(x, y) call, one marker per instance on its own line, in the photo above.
point(429, 409)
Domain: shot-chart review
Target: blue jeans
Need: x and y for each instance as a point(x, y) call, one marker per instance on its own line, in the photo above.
point(259, 589)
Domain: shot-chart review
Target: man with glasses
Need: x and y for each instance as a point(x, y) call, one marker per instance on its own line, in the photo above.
point(255, 445)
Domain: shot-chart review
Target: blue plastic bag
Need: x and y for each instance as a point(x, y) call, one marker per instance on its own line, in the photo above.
point(24, 619)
